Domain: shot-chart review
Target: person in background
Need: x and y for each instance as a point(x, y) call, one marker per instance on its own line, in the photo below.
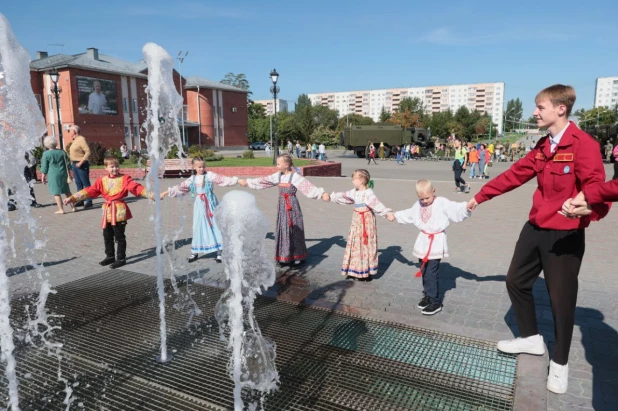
point(381, 151)
point(124, 151)
point(297, 149)
point(322, 151)
point(55, 171)
point(473, 161)
point(482, 160)
point(314, 150)
point(79, 154)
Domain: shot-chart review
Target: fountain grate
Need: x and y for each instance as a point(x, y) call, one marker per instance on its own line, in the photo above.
point(327, 360)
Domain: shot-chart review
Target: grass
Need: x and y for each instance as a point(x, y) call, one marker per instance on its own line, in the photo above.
point(230, 162)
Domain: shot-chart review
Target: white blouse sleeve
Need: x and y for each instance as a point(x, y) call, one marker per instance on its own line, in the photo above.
point(180, 189)
point(222, 181)
point(263, 182)
point(371, 201)
point(409, 216)
point(344, 197)
point(304, 186)
point(456, 212)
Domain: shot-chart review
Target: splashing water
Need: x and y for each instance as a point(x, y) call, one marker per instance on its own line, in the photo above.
point(164, 104)
point(21, 126)
point(249, 270)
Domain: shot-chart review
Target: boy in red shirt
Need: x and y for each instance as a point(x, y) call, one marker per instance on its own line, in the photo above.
point(564, 162)
point(113, 187)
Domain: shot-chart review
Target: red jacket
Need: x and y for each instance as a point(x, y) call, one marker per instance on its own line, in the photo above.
point(599, 193)
point(574, 165)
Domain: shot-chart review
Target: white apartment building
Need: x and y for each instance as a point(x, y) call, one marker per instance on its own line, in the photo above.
point(281, 105)
point(484, 97)
point(606, 92)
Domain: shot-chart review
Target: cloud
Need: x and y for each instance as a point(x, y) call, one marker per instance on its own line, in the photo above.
point(446, 37)
point(187, 10)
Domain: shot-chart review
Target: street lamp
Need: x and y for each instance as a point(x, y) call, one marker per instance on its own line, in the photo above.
point(274, 76)
point(56, 90)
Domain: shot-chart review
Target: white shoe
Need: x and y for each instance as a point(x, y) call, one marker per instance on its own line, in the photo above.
point(531, 345)
point(558, 378)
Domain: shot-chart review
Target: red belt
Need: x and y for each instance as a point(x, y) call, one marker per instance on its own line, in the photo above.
point(365, 235)
point(426, 258)
point(288, 206)
point(111, 205)
point(207, 205)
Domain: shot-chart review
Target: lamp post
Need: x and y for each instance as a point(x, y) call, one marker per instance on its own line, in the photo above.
point(56, 90)
point(274, 76)
point(182, 108)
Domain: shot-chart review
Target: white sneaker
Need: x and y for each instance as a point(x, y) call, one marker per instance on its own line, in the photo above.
point(558, 378)
point(531, 345)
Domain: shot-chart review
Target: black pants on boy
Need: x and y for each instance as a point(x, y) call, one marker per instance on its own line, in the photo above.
point(458, 169)
point(115, 232)
point(559, 255)
point(431, 287)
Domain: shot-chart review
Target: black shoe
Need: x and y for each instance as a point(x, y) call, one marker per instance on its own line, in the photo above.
point(432, 309)
point(118, 264)
point(192, 258)
point(107, 261)
point(87, 205)
point(36, 205)
point(79, 204)
point(424, 302)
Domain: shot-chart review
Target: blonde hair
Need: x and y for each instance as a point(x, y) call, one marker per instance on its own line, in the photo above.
point(110, 160)
point(288, 159)
point(424, 186)
point(196, 159)
point(558, 94)
point(50, 142)
point(364, 174)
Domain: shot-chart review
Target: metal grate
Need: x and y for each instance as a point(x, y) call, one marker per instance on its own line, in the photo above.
point(327, 360)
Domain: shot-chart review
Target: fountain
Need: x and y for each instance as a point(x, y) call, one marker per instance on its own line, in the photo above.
point(249, 270)
point(164, 104)
point(21, 126)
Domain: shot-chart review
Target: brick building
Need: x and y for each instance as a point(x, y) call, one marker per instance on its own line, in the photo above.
point(106, 97)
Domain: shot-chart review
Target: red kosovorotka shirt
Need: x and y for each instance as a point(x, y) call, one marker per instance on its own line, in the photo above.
point(599, 193)
point(574, 165)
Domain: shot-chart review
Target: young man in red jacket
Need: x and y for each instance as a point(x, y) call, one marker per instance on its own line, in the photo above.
point(564, 162)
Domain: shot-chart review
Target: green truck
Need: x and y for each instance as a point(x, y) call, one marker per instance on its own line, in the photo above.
point(356, 138)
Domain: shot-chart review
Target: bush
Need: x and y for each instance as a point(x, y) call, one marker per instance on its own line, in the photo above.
point(201, 151)
point(116, 153)
point(97, 153)
point(37, 153)
point(248, 154)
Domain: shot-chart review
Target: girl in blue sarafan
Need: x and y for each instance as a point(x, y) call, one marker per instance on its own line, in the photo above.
point(206, 235)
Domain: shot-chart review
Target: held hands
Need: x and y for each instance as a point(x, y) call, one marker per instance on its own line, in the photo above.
point(163, 194)
point(575, 207)
point(472, 204)
point(67, 201)
point(326, 197)
point(243, 182)
point(390, 216)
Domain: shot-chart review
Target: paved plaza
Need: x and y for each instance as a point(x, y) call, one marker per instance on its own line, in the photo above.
point(476, 303)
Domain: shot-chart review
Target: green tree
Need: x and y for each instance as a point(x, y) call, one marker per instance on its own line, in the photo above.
point(384, 115)
point(324, 116)
point(256, 110)
point(258, 129)
point(513, 114)
point(438, 122)
point(406, 119)
point(353, 120)
point(304, 117)
point(287, 127)
point(324, 135)
point(412, 104)
point(237, 80)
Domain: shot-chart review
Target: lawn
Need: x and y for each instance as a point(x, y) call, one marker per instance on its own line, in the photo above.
point(231, 162)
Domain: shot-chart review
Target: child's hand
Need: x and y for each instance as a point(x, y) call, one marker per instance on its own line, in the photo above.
point(243, 182)
point(472, 204)
point(390, 217)
point(66, 201)
point(326, 197)
point(162, 196)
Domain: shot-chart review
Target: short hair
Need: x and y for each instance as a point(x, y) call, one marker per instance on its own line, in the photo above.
point(364, 174)
point(50, 142)
point(424, 186)
point(76, 129)
point(110, 160)
point(96, 82)
point(197, 159)
point(288, 159)
point(558, 94)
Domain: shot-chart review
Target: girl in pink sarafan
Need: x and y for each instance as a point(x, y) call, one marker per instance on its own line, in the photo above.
point(206, 234)
point(290, 245)
point(360, 259)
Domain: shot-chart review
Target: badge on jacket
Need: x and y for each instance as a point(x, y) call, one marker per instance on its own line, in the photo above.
point(567, 169)
point(564, 157)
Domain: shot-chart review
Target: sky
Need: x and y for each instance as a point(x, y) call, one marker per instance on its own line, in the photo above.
point(341, 45)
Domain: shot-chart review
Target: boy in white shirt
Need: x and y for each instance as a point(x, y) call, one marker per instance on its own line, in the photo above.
point(432, 216)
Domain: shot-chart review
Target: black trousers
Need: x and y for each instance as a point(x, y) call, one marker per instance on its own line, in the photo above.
point(615, 170)
point(458, 169)
point(115, 232)
point(559, 255)
point(431, 281)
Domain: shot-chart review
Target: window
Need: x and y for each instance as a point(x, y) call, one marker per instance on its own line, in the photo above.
point(50, 103)
point(134, 105)
point(125, 105)
point(127, 131)
point(38, 101)
point(136, 131)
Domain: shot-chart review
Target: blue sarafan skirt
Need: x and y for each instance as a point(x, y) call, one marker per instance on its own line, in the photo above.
point(206, 234)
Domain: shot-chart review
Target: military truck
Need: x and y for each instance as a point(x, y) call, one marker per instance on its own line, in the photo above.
point(356, 138)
